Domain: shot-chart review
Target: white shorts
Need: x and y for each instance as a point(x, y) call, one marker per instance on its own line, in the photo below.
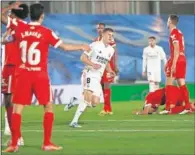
point(155, 77)
point(91, 83)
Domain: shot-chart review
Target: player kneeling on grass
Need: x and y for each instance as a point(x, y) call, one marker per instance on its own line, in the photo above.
point(96, 62)
point(157, 98)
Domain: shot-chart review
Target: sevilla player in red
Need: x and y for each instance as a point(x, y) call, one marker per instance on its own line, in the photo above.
point(157, 98)
point(106, 79)
point(11, 60)
point(176, 66)
point(31, 75)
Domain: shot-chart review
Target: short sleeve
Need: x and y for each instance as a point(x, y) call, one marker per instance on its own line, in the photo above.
point(111, 53)
point(88, 53)
point(12, 23)
point(175, 36)
point(53, 39)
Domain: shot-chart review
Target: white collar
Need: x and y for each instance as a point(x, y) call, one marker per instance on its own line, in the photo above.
point(34, 23)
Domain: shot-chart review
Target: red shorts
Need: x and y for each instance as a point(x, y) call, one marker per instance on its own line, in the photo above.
point(29, 83)
point(106, 78)
point(180, 68)
point(8, 78)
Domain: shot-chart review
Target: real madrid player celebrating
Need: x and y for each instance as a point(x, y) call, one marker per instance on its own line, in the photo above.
point(96, 61)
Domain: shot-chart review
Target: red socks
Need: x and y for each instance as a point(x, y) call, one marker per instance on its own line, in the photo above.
point(47, 125)
point(15, 128)
point(9, 115)
point(184, 92)
point(107, 103)
point(168, 94)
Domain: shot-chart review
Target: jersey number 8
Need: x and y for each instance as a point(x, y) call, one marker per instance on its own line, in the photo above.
point(32, 55)
point(88, 80)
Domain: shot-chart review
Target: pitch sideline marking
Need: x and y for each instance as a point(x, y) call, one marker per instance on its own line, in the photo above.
point(133, 120)
point(114, 130)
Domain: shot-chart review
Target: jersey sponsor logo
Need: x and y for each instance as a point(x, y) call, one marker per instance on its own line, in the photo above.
point(102, 60)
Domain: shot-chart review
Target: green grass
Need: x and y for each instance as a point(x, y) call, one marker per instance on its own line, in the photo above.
point(119, 134)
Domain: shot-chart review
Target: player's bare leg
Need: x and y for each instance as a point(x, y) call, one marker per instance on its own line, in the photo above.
point(16, 125)
point(185, 93)
point(81, 108)
point(168, 92)
point(47, 125)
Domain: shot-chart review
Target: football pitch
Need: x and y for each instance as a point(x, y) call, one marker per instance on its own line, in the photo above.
point(118, 134)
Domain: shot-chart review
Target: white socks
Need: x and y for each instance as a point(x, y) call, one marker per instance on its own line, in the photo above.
point(80, 109)
point(76, 102)
point(6, 123)
point(153, 87)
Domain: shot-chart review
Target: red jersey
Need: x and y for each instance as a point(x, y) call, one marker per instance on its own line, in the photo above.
point(176, 36)
point(33, 41)
point(156, 98)
point(113, 59)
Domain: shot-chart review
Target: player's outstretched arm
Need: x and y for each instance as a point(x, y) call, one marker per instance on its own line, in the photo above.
point(4, 11)
point(72, 47)
point(145, 111)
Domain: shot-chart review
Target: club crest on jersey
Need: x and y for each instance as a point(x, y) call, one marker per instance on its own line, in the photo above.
point(173, 36)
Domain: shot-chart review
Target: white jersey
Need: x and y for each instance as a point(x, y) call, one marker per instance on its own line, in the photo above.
point(99, 54)
point(152, 62)
point(91, 78)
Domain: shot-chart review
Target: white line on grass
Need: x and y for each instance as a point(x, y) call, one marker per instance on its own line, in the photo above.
point(132, 120)
point(135, 120)
point(114, 130)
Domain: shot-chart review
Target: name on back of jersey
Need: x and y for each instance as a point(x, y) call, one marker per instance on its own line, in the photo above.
point(31, 33)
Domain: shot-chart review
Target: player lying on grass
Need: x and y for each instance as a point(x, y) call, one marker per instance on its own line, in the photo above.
point(96, 61)
point(157, 98)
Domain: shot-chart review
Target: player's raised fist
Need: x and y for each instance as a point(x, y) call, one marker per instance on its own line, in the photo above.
point(85, 48)
point(111, 74)
point(96, 66)
point(16, 5)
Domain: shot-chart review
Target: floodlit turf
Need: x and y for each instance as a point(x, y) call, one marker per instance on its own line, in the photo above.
point(120, 134)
